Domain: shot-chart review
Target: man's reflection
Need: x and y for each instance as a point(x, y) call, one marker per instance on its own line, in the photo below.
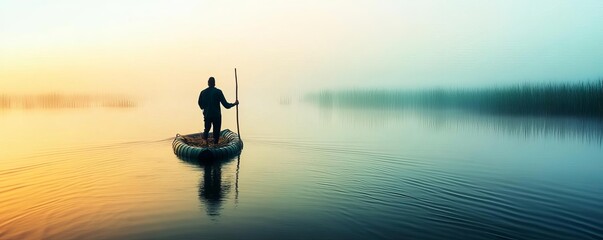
point(211, 188)
point(214, 187)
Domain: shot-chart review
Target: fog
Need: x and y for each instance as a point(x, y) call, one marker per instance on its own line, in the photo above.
point(169, 48)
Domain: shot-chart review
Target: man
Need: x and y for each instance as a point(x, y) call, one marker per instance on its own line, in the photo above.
point(209, 101)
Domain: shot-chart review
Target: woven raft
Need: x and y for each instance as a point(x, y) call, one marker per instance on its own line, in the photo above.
point(193, 147)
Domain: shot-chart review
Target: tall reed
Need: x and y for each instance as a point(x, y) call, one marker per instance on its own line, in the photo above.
point(563, 99)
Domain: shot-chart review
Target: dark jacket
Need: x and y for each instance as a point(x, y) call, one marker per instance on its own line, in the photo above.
point(209, 102)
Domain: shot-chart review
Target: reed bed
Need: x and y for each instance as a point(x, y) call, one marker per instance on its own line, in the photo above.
point(563, 99)
point(60, 101)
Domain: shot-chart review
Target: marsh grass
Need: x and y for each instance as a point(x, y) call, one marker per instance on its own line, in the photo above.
point(61, 101)
point(566, 99)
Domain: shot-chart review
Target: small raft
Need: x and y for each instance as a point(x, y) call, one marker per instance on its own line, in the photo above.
point(192, 146)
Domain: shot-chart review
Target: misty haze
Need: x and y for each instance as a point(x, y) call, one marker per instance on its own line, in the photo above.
point(344, 120)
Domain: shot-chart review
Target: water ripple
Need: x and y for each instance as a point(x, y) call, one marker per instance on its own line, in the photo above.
point(51, 193)
point(473, 204)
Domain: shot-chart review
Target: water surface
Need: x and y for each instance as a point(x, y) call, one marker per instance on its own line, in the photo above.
point(306, 171)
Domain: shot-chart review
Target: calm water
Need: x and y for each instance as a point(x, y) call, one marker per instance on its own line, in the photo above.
point(306, 172)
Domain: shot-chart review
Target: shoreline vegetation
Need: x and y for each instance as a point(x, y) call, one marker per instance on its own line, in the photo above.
point(581, 99)
point(59, 101)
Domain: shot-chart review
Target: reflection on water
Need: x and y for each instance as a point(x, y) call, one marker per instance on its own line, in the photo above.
point(213, 188)
point(316, 173)
point(584, 129)
point(57, 101)
point(588, 129)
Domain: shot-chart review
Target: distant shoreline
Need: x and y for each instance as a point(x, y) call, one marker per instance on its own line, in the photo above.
point(58, 101)
point(584, 99)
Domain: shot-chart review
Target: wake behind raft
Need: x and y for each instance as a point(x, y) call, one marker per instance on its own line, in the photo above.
point(192, 146)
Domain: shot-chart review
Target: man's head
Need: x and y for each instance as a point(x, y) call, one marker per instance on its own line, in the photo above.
point(211, 82)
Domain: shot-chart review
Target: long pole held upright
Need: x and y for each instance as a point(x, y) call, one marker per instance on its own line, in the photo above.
point(239, 158)
point(237, 98)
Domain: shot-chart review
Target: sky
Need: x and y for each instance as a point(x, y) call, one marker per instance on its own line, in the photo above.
point(150, 48)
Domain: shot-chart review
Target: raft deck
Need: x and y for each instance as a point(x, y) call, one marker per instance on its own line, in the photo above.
point(192, 146)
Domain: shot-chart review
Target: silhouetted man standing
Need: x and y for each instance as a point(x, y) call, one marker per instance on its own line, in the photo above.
point(209, 101)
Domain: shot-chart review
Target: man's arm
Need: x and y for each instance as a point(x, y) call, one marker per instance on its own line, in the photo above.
point(200, 101)
point(224, 102)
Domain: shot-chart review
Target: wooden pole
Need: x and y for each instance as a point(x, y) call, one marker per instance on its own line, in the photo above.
point(237, 98)
point(239, 157)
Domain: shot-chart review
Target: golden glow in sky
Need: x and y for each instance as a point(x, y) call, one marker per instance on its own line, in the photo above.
point(143, 47)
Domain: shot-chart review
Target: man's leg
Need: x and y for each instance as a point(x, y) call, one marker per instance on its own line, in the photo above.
point(217, 125)
point(207, 127)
